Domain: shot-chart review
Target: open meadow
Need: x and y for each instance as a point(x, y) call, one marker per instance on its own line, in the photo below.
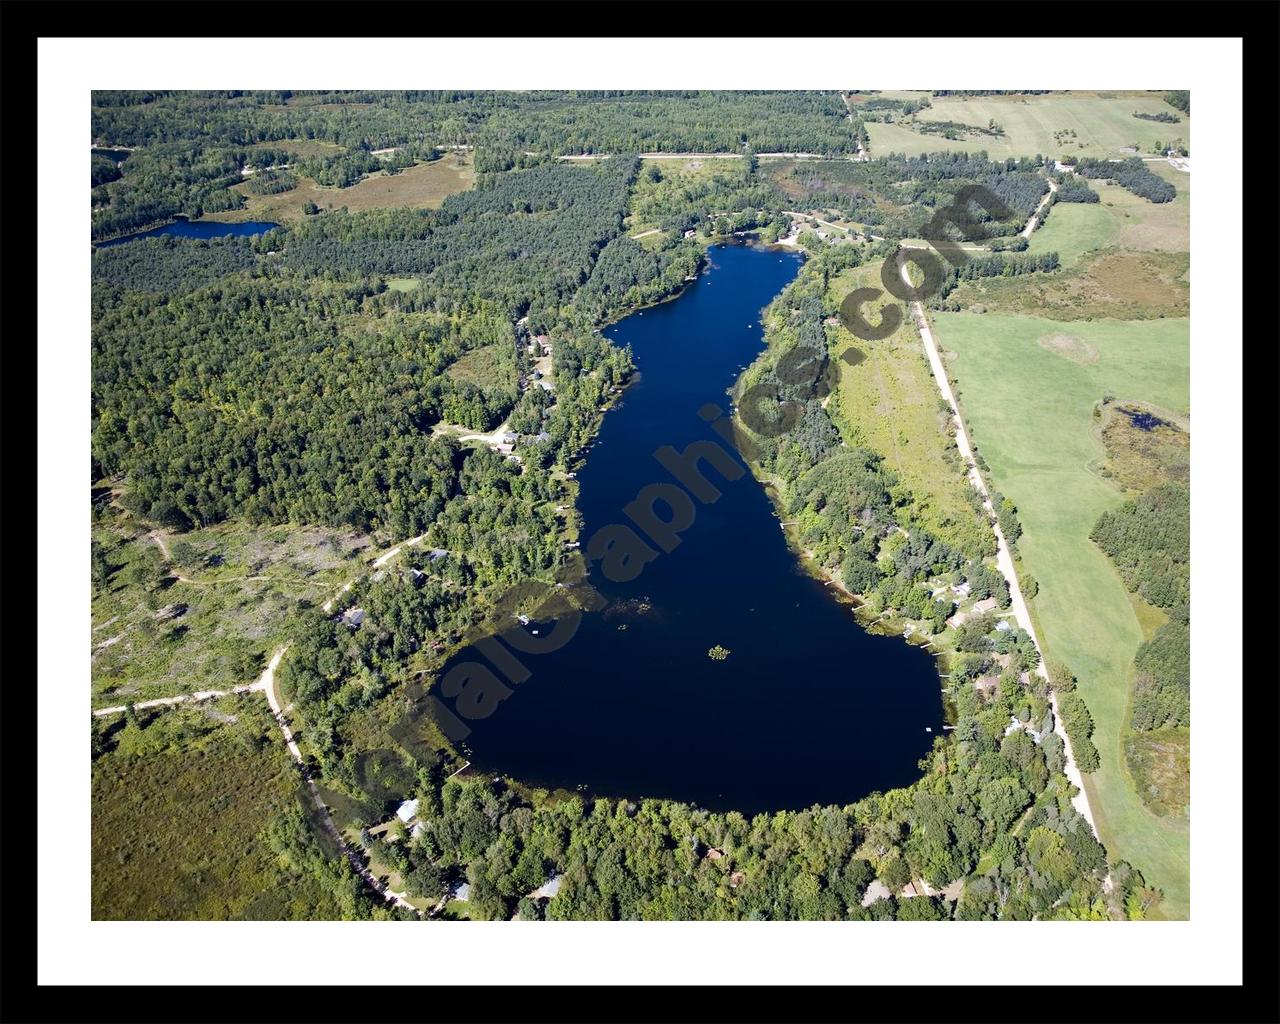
point(1028, 398)
point(203, 611)
point(191, 820)
point(1097, 124)
point(1118, 218)
point(424, 185)
point(889, 403)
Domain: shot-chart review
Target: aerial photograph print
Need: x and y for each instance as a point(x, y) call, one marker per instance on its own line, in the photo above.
point(591, 512)
point(640, 505)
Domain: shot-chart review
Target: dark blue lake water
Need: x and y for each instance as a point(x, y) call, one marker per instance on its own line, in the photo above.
point(807, 708)
point(1143, 420)
point(198, 229)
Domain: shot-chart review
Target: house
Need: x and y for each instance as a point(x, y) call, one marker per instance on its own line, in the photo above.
point(463, 892)
point(1002, 625)
point(407, 811)
point(987, 604)
point(417, 830)
point(736, 879)
point(504, 447)
point(961, 590)
point(988, 683)
point(353, 617)
point(958, 619)
point(548, 889)
point(508, 438)
point(713, 854)
point(690, 233)
point(877, 890)
point(436, 553)
point(543, 436)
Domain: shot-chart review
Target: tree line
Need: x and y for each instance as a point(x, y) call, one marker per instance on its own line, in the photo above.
point(1149, 540)
point(1132, 174)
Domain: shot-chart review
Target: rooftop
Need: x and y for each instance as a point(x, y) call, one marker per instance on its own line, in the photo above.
point(407, 810)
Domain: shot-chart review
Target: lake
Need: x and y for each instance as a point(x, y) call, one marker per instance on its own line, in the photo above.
point(806, 708)
point(198, 229)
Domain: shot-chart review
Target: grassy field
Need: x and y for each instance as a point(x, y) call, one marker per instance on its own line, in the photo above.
point(683, 179)
point(1029, 409)
point(1160, 763)
point(183, 809)
point(486, 367)
point(889, 403)
point(1114, 283)
point(1118, 218)
point(302, 147)
point(1103, 124)
point(422, 185)
point(241, 585)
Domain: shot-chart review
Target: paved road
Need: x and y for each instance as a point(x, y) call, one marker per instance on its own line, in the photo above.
point(1004, 559)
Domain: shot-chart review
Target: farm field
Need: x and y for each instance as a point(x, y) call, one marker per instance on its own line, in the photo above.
point(422, 185)
point(1118, 218)
point(889, 403)
point(1103, 124)
point(1029, 408)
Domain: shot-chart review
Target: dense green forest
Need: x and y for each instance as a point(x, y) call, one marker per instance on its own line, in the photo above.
point(193, 145)
point(288, 379)
point(1072, 189)
point(312, 392)
point(897, 195)
point(1132, 174)
point(1149, 539)
point(990, 810)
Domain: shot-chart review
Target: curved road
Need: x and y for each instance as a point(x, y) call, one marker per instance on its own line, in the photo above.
point(266, 684)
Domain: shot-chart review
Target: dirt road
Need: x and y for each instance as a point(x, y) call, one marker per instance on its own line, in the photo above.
point(1004, 559)
point(1031, 221)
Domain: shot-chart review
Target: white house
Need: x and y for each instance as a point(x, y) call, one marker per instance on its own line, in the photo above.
point(407, 811)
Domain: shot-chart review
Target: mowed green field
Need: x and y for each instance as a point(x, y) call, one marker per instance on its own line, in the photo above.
point(1103, 124)
point(1029, 411)
point(1119, 217)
